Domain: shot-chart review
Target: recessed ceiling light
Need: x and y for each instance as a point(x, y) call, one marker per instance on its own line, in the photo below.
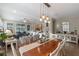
point(14, 11)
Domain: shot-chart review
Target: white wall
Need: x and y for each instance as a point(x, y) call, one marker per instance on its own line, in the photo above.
point(73, 23)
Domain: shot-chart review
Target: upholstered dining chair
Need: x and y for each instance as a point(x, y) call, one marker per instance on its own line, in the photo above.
point(56, 51)
point(54, 36)
point(27, 40)
point(60, 36)
point(13, 50)
point(59, 48)
point(35, 38)
point(22, 40)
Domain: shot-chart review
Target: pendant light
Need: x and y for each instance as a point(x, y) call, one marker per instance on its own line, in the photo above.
point(43, 14)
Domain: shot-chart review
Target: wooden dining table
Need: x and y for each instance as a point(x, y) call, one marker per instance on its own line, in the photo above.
point(44, 49)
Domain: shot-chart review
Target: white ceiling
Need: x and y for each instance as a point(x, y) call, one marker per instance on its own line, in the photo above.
point(31, 11)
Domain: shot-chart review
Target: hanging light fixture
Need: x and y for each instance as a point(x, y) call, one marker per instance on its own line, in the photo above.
point(49, 22)
point(40, 13)
point(41, 19)
point(43, 16)
point(47, 18)
point(45, 21)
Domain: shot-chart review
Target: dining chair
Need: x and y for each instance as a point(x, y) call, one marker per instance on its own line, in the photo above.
point(13, 50)
point(20, 40)
point(60, 36)
point(35, 38)
point(32, 39)
point(54, 36)
point(63, 46)
point(28, 40)
point(68, 37)
point(58, 50)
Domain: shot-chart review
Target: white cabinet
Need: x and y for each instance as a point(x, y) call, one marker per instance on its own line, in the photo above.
point(67, 37)
point(72, 38)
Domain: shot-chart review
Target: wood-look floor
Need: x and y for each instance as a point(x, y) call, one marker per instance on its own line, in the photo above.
point(71, 49)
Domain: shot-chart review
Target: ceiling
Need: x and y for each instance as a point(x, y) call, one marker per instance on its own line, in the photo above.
point(31, 11)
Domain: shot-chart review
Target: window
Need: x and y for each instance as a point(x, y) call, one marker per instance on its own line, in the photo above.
point(20, 27)
point(10, 26)
point(28, 27)
point(65, 26)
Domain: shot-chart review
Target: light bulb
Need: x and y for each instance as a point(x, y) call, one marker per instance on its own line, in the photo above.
point(41, 19)
point(47, 18)
point(49, 22)
point(45, 21)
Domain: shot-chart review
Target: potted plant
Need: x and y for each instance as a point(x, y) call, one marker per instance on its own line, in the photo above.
point(3, 36)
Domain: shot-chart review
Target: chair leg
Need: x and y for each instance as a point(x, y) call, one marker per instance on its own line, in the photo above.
point(63, 50)
point(61, 53)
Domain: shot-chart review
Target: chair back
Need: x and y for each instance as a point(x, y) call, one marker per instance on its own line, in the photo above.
point(60, 36)
point(54, 36)
point(56, 51)
point(24, 40)
point(35, 37)
point(59, 47)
